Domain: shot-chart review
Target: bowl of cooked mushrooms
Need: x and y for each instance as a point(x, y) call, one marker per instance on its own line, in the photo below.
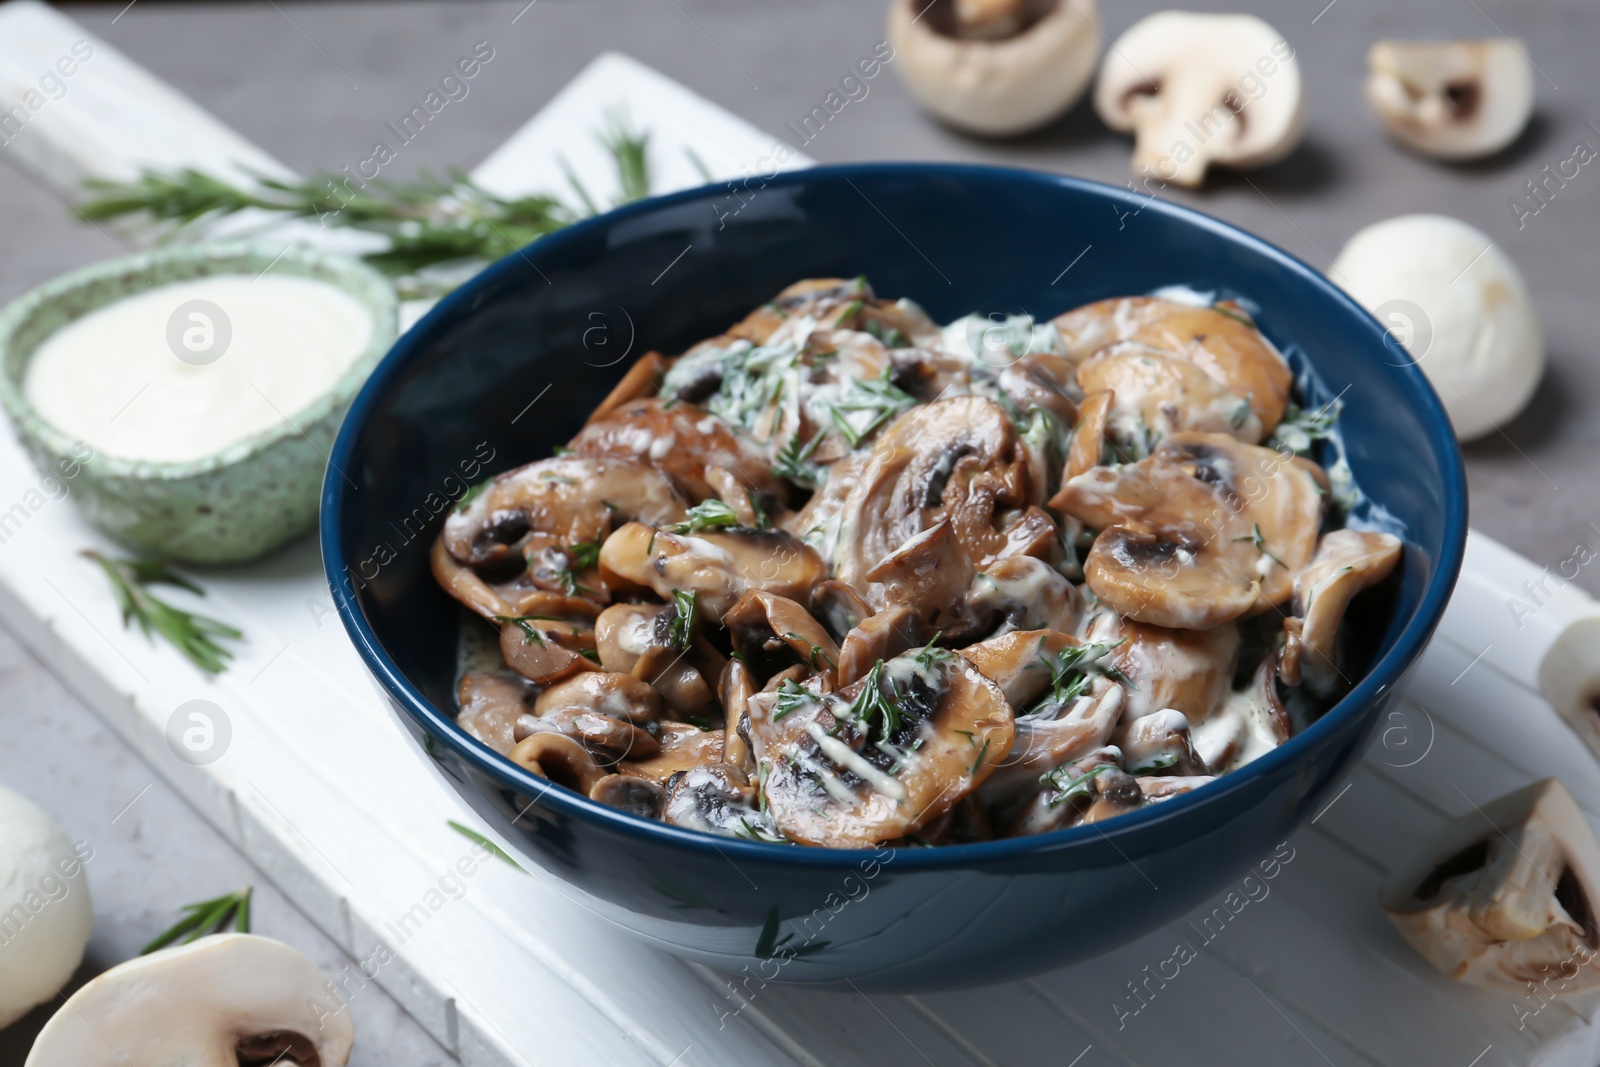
point(929, 576)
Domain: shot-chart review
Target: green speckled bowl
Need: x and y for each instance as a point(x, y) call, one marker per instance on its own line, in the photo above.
point(233, 506)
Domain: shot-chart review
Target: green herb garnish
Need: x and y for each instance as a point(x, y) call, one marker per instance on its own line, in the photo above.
point(1072, 786)
point(707, 515)
point(472, 494)
point(879, 398)
point(793, 462)
point(870, 704)
point(206, 917)
point(680, 632)
point(756, 510)
point(1255, 538)
point(530, 635)
point(190, 633)
point(931, 655)
point(1300, 429)
point(473, 835)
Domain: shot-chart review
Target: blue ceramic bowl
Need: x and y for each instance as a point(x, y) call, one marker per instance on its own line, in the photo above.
point(510, 364)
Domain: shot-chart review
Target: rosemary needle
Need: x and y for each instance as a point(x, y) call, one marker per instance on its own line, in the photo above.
point(206, 917)
point(190, 633)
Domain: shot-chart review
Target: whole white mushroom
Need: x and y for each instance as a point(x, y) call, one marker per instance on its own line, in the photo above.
point(45, 913)
point(223, 1001)
point(1459, 307)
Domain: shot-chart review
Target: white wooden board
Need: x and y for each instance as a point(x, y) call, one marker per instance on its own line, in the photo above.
point(320, 789)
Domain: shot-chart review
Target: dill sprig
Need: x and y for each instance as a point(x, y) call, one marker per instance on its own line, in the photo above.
point(794, 462)
point(192, 634)
point(428, 221)
point(707, 515)
point(879, 398)
point(530, 633)
point(206, 917)
point(791, 697)
point(680, 631)
point(1260, 543)
point(1300, 428)
point(1068, 785)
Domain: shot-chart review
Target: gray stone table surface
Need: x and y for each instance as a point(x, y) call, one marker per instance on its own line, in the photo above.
point(314, 84)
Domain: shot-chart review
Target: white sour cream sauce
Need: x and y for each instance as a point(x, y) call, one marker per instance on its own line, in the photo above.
point(113, 379)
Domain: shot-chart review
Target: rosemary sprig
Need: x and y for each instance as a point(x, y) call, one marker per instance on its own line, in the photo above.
point(473, 836)
point(681, 630)
point(1067, 785)
point(707, 515)
point(879, 398)
point(794, 462)
point(791, 697)
point(190, 633)
point(428, 221)
point(206, 917)
point(931, 655)
point(871, 704)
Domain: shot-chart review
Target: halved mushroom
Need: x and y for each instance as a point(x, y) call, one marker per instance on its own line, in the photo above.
point(1158, 743)
point(1506, 895)
point(1451, 99)
point(1091, 789)
point(682, 441)
point(548, 645)
point(1054, 737)
point(1202, 89)
point(682, 747)
point(222, 1001)
point(1191, 670)
point(716, 566)
point(1206, 530)
point(560, 759)
point(1569, 678)
point(636, 796)
point(1220, 340)
point(995, 67)
point(881, 758)
point(1347, 561)
point(956, 459)
point(568, 500)
point(491, 707)
point(1026, 593)
point(772, 632)
point(718, 799)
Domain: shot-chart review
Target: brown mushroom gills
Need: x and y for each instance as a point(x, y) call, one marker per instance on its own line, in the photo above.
point(284, 1047)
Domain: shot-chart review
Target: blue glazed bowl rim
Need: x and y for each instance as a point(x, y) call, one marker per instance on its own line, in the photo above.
point(442, 726)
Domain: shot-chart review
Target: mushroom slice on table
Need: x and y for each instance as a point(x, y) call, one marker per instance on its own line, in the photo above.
point(1190, 670)
point(682, 441)
point(1506, 895)
point(772, 632)
point(1091, 789)
point(491, 707)
point(1347, 561)
point(715, 566)
point(571, 499)
point(882, 757)
point(1201, 89)
point(221, 1001)
point(995, 67)
point(1206, 530)
point(1220, 340)
point(1451, 99)
point(955, 460)
point(682, 747)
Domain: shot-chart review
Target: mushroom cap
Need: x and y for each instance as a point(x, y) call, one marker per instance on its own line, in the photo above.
point(1002, 86)
point(1347, 561)
point(1569, 678)
point(1190, 670)
point(719, 566)
point(1177, 80)
point(1506, 894)
point(45, 912)
point(1465, 313)
point(1451, 99)
point(679, 440)
point(194, 1004)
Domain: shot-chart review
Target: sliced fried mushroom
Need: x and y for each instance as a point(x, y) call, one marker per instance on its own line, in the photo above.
point(491, 707)
point(1158, 744)
point(1026, 593)
point(1090, 435)
point(883, 757)
point(560, 759)
point(995, 67)
point(1187, 86)
point(1206, 530)
point(822, 299)
point(572, 499)
point(1252, 377)
point(680, 440)
point(682, 747)
point(1091, 789)
point(636, 796)
point(929, 575)
point(735, 689)
point(718, 799)
point(772, 632)
point(641, 380)
point(1019, 661)
point(839, 608)
point(610, 693)
point(221, 1001)
point(1506, 895)
point(1451, 99)
point(1157, 788)
point(1158, 394)
point(1191, 670)
point(956, 459)
point(1055, 738)
point(718, 566)
point(648, 641)
point(1347, 561)
point(882, 636)
point(546, 648)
